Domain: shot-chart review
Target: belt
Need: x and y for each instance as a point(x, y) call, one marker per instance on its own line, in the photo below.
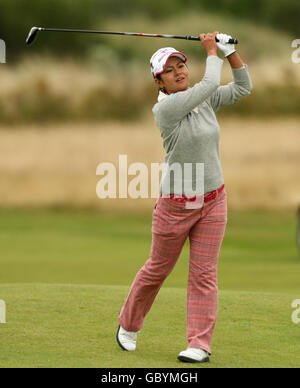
point(207, 196)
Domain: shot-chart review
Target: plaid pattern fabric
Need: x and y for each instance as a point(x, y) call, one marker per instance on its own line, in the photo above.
point(172, 225)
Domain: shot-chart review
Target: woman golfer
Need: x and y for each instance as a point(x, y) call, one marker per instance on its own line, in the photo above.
point(186, 119)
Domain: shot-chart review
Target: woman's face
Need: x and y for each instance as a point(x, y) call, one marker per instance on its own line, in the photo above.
point(175, 77)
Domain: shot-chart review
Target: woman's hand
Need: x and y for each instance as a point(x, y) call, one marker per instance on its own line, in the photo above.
point(227, 48)
point(209, 43)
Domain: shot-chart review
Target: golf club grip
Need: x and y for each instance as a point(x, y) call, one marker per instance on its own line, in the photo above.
point(231, 41)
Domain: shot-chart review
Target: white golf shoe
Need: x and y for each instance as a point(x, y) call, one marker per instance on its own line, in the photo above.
point(126, 339)
point(193, 355)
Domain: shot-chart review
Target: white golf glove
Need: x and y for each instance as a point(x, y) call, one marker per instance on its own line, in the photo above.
point(223, 46)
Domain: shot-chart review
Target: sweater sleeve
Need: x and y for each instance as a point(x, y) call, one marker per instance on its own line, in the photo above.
point(176, 106)
point(234, 91)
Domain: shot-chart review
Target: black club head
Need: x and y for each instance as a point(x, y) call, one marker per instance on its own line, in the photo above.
point(32, 34)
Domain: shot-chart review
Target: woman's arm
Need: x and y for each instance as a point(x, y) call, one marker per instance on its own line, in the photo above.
point(235, 61)
point(234, 91)
point(229, 51)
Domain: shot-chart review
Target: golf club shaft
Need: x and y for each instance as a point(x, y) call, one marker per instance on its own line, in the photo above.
point(34, 31)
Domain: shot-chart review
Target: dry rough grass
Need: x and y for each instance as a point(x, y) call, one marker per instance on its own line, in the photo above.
point(46, 90)
point(56, 165)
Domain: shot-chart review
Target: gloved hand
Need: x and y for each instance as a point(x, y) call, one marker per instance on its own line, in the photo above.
point(223, 46)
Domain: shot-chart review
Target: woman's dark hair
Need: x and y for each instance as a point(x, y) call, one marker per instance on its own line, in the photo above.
point(164, 90)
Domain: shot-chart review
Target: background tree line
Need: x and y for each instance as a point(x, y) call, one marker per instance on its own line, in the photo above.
point(17, 16)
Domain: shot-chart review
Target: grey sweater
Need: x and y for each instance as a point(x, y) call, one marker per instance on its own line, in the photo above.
point(190, 130)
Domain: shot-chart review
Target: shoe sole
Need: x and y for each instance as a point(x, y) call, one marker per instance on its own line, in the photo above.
point(119, 343)
point(187, 359)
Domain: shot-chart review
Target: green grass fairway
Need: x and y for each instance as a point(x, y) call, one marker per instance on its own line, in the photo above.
point(74, 326)
point(66, 273)
point(88, 247)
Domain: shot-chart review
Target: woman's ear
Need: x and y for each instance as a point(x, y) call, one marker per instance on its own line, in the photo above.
point(160, 85)
point(158, 82)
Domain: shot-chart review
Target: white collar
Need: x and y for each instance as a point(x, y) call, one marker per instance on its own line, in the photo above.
point(161, 96)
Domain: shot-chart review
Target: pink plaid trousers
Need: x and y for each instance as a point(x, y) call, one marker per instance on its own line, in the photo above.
point(172, 224)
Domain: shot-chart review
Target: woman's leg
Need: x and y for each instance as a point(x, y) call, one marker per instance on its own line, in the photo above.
point(169, 233)
point(206, 238)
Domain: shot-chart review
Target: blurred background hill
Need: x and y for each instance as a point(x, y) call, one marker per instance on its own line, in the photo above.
point(90, 77)
point(17, 16)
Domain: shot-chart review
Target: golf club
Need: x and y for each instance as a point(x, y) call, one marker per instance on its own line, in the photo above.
point(34, 30)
